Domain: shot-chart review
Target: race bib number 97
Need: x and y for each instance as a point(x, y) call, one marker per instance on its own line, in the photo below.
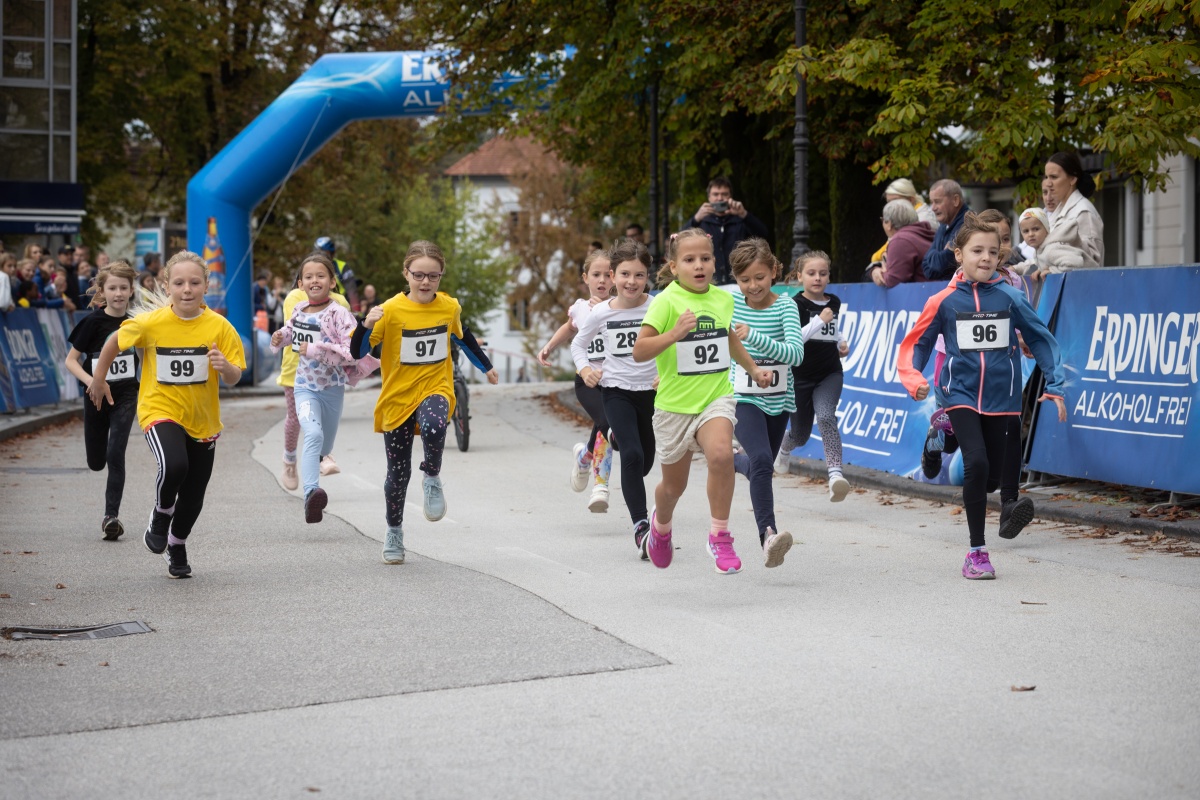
point(424, 345)
point(982, 330)
point(620, 337)
point(702, 353)
point(181, 366)
point(743, 382)
point(304, 333)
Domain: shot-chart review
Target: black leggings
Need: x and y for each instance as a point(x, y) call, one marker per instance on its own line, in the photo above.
point(986, 443)
point(631, 415)
point(589, 397)
point(760, 435)
point(184, 467)
point(105, 436)
point(432, 415)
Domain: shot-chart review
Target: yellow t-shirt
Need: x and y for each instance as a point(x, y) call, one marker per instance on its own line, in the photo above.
point(287, 370)
point(416, 355)
point(177, 381)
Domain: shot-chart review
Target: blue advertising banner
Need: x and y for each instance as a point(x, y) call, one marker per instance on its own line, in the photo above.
point(880, 425)
point(1130, 340)
point(27, 359)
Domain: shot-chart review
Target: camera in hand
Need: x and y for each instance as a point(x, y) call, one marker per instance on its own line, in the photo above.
point(720, 207)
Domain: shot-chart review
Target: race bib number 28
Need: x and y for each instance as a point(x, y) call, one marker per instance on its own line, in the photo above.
point(181, 366)
point(621, 336)
point(424, 345)
point(982, 330)
point(702, 353)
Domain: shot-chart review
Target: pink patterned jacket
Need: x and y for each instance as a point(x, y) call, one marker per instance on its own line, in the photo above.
point(337, 326)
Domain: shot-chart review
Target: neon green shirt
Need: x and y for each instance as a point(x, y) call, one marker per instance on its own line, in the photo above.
point(694, 372)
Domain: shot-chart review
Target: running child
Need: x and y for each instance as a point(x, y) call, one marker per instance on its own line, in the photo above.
point(287, 379)
point(598, 277)
point(768, 324)
point(186, 347)
point(106, 429)
point(686, 332)
point(626, 386)
point(319, 332)
point(818, 381)
point(418, 384)
point(978, 317)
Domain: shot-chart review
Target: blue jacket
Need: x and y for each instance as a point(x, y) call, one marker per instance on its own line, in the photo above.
point(979, 323)
point(939, 262)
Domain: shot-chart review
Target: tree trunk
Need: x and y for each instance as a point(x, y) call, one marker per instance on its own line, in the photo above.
point(854, 205)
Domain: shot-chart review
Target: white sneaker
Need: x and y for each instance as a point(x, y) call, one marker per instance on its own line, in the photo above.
point(782, 462)
point(598, 504)
point(580, 473)
point(839, 487)
point(288, 477)
point(329, 466)
point(775, 547)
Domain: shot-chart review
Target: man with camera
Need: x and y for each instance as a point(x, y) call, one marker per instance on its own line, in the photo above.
point(728, 222)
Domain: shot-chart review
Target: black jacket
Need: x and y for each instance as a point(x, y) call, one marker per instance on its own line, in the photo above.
point(726, 232)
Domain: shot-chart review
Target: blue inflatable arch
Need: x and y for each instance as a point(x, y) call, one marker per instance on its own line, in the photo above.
point(337, 90)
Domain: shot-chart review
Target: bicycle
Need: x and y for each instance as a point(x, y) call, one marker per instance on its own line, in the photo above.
point(462, 397)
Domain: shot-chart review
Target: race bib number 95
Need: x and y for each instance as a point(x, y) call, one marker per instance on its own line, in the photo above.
point(982, 330)
point(702, 353)
point(826, 331)
point(181, 366)
point(424, 345)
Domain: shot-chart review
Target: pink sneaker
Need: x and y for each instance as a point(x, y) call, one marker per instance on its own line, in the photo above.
point(978, 567)
point(659, 549)
point(720, 547)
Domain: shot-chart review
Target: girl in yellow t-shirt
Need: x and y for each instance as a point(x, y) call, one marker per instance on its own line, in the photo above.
point(418, 384)
point(186, 347)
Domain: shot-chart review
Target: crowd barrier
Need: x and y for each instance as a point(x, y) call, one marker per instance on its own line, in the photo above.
point(33, 350)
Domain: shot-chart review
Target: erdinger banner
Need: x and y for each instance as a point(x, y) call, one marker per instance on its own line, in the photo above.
point(880, 425)
point(1130, 341)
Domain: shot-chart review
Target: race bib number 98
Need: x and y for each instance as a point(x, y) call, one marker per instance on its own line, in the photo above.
point(304, 333)
point(982, 330)
point(424, 345)
point(181, 366)
point(620, 337)
point(743, 382)
point(702, 353)
point(595, 349)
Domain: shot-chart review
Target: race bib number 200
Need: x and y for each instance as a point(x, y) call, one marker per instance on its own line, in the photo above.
point(702, 353)
point(181, 366)
point(424, 345)
point(982, 330)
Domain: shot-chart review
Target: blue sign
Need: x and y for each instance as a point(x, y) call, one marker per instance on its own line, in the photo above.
point(27, 360)
point(1130, 340)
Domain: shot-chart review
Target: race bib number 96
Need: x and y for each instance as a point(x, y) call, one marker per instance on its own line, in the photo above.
point(620, 337)
point(982, 330)
point(181, 366)
point(304, 333)
point(424, 345)
point(702, 353)
point(743, 382)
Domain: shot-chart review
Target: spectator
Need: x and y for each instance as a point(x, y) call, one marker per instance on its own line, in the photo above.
point(102, 260)
point(369, 299)
point(62, 281)
point(83, 274)
point(147, 287)
point(27, 294)
point(83, 253)
point(632, 231)
point(26, 270)
point(274, 305)
point(903, 189)
point(1048, 201)
point(727, 222)
point(1034, 226)
point(8, 278)
point(908, 240)
point(260, 292)
point(595, 245)
point(66, 268)
point(34, 252)
point(152, 263)
point(946, 197)
point(1076, 239)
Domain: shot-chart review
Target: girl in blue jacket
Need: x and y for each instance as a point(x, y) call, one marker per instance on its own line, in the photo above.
point(980, 382)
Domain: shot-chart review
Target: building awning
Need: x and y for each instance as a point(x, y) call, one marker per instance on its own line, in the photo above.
point(41, 208)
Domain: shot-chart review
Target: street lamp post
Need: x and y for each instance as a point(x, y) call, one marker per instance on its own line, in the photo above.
point(800, 144)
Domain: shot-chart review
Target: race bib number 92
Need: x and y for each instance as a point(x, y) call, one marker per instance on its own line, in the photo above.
point(702, 353)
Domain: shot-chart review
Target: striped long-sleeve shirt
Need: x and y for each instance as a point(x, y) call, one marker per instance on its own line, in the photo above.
point(776, 342)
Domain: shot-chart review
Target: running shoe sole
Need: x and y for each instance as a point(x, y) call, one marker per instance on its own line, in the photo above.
point(838, 489)
point(177, 572)
point(777, 547)
point(113, 529)
point(314, 505)
point(1022, 515)
point(579, 478)
point(598, 504)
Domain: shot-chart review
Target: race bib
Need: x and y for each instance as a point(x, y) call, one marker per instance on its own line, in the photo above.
point(620, 337)
point(122, 368)
point(743, 382)
point(982, 330)
point(424, 345)
point(702, 353)
point(304, 333)
point(182, 366)
point(595, 349)
point(826, 331)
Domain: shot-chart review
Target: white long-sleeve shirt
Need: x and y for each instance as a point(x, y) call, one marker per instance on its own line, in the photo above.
point(619, 327)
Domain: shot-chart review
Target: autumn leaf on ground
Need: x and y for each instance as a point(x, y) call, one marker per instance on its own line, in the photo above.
point(956, 511)
point(1023, 688)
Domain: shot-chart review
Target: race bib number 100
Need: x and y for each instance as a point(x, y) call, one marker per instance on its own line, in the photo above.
point(424, 345)
point(743, 382)
point(181, 366)
point(702, 353)
point(982, 330)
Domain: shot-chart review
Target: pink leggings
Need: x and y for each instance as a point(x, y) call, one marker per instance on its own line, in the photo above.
point(291, 427)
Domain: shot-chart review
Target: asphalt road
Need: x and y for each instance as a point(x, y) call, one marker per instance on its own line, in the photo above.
point(525, 651)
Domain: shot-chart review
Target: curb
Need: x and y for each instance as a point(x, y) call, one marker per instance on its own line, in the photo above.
point(36, 422)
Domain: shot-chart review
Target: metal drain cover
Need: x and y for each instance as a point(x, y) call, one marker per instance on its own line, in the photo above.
point(89, 632)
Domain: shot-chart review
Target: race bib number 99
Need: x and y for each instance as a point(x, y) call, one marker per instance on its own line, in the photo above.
point(181, 366)
point(702, 353)
point(982, 330)
point(122, 368)
point(424, 345)
point(743, 382)
point(620, 337)
point(304, 333)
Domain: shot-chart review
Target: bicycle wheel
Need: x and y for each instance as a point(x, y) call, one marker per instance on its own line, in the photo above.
point(462, 417)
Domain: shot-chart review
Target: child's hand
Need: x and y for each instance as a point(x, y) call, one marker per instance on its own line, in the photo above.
point(591, 376)
point(1025, 351)
point(216, 359)
point(373, 316)
point(1062, 406)
point(276, 338)
point(742, 330)
point(594, 301)
point(763, 378)
point(98, 391)
point(303, 348)
point(826, 315)
point(493, 376)
point(843, 349)
point(543, 357)
point(684, 325)
point(922, 392)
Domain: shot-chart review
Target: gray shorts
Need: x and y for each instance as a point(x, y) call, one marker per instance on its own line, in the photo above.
point(675, 434)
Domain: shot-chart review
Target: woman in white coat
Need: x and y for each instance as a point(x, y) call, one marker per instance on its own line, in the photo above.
point(1076, 239)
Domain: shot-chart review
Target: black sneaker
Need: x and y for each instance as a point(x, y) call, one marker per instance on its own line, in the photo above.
point(156, 533)
point(640, 538)
point(176, 558)
point(314, 503)
point(112, 528)
point(1014, 516)
point(931, 453)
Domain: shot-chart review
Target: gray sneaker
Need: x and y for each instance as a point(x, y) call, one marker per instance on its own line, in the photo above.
point(435, 501)
point(393, 546)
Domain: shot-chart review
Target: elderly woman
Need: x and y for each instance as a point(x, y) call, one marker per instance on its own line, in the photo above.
point(1076, 239)
point(903, 189)
point(908, 240)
